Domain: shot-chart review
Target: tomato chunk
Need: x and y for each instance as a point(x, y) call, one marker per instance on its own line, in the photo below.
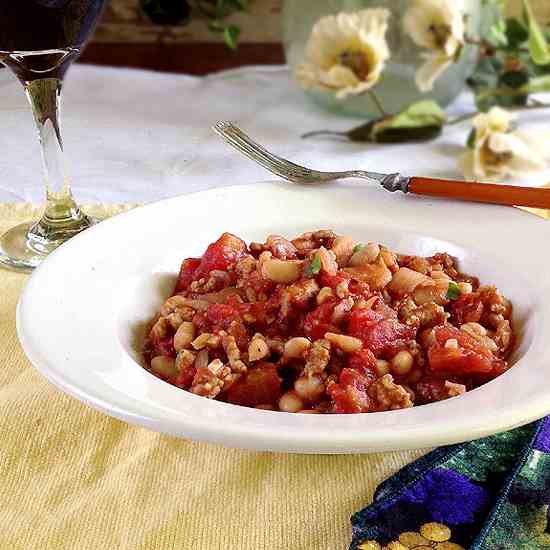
point(468, 308)
point(364, 362)
point(469, 357)
point(187, 273)
point(378, 333)
point(319, 321)
point(260, 386)
point(350, 393)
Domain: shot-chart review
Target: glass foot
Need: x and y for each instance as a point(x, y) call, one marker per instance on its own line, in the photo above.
point(25, 246)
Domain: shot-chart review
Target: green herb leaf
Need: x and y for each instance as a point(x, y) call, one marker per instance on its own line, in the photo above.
point(418, 122)
point(358, 247)
point(314, 267)
point(231, 36)
point(453, 292)
point(538, 46)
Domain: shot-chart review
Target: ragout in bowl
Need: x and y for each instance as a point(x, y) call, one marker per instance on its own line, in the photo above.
point(325, 324)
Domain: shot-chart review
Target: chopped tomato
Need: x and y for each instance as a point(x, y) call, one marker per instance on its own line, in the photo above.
point(221, 254)
point(469, 357)
point(467, 309)
point(221, 315)
point(350, 393)
point(163, 346)
point(378, 333)
point(187, 273)
point(364, 362)
point(185, 377)
point(319, 321)
point(259, 386)
point(332, 281)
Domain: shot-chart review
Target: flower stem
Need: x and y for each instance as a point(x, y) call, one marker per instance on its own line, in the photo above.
point(378, 103)
point(534, 107)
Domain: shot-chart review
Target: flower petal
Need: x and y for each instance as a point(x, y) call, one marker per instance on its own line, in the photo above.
point(431, 70)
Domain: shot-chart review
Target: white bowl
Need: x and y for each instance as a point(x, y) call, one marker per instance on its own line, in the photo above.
point(81, 316)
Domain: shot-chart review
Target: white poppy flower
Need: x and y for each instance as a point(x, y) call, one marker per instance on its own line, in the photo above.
point(346, 53)
point(437, 26)
point(498, 151)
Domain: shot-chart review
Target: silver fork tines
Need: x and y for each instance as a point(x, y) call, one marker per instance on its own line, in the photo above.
point(290, 171)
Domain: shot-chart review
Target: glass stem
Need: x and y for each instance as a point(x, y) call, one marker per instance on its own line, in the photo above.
point(44, 96)
point(62, 217)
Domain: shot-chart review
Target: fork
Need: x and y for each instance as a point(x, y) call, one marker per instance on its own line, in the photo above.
point(508, 195)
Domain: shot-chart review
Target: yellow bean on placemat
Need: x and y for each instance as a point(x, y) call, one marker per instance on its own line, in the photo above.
point(73, 478)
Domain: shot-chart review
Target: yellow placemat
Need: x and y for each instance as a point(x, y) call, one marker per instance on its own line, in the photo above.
point(72, 478)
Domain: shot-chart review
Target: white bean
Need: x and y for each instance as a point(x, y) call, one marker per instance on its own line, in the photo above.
point(164, 365)
point(290, 402)
point(309, 388)
point(465, 288)
point(348, 344)
point(295, 348)
point(402, 363)
point(382, 367)
point(365, 255)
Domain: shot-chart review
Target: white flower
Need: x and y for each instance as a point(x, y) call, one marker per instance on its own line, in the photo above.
point(346, 53)
point(498, 151)
point(437, 26)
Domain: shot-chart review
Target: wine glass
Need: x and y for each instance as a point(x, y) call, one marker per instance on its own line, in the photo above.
point(39, 39)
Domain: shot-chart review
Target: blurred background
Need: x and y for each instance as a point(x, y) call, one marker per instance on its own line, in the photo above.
point(187, 37)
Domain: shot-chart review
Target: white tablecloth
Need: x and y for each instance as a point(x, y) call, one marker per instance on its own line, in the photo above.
point(137, 136)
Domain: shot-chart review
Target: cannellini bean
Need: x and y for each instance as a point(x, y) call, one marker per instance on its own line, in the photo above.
point(258, 348)
point(382, 367)
point(465, 288)
point(343, 249)
point(474, 329)
point(290, 402)
point(184, 336)
point(402, 363)
point(206, 340)
point(366, 255)
point(324, 294)
point(451, 343)
point(389, 258)
point(295, 348)
point(439, 275)
point(309, 388)
point(347, 344)
point(405, 280)
point(377, 275)
point(433, 291)
point(281, 271)
point(165, 366)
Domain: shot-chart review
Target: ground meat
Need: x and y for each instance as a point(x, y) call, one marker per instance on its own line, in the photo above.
point(328, 325)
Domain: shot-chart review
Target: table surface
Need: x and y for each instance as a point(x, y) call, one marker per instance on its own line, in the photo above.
point(137, 136)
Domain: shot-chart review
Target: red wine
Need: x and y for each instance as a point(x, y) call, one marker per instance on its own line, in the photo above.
point(39, 38)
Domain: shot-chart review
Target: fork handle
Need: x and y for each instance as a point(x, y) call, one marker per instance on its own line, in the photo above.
point(481, 192)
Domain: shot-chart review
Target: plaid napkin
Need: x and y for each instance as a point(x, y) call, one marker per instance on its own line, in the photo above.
point(490, 494)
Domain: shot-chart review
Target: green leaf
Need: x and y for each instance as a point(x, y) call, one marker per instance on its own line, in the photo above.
point(314, 267)
point(538, 46)
point(231, 36)
point(514, 79)
point(358, 247)
point(470, 143)
point(537, 85)
point(497, 33)
point(417, 122)
point(453, 292)
point(516, 32)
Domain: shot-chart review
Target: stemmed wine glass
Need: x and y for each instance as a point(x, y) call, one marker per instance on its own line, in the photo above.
point(39, 39)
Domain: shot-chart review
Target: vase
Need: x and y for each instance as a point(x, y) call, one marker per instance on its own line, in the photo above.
point(397, 87)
